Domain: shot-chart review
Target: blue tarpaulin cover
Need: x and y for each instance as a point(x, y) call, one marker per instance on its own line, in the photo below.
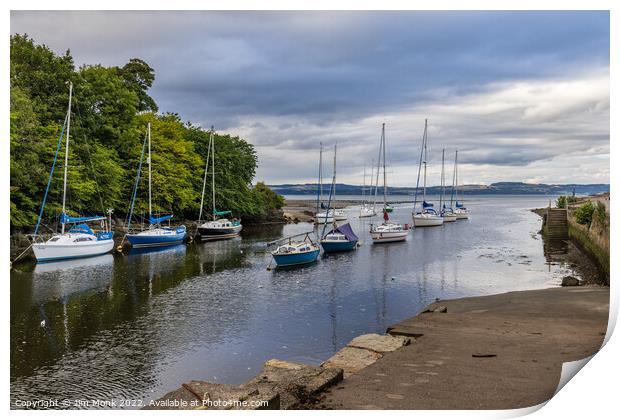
point(68, 219)
point(426, 205)
point(459, 205)
point(157, 220)
point(347, 231)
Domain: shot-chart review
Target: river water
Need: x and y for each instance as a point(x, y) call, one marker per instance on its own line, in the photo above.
point(137, 325)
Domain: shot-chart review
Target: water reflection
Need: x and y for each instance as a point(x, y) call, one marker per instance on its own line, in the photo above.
point(137, 325)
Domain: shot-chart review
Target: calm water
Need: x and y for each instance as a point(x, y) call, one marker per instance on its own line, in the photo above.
point(138, 325)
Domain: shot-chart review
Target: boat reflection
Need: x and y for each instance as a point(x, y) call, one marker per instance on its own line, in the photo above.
point(60, 279)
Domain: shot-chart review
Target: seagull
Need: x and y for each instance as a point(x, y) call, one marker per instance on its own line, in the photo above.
point(43, 324)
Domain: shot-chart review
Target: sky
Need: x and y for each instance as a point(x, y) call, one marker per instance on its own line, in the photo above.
point(523, 96)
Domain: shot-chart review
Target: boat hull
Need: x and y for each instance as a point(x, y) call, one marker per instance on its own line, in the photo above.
point(301, 258)
point(449, 218)
point(214, 234)
point(383, 237)
point(53, 252)
point(338, 246)
point(157, 238)
point(427, 221)
point(462, 215)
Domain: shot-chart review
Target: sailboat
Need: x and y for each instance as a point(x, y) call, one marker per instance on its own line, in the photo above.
point(366, 210)
point(461, 211)
point(428, 216)
point(322, 214)
point(340, 238)
point(294, 253)
point(218, 228)
point(446, 212)
point(387, 231)
point(80, 240)
point(156, 234)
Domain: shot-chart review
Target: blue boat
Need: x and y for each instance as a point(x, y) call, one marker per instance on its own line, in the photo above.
point(156, 235)
point(339, 239)
point(296, 253)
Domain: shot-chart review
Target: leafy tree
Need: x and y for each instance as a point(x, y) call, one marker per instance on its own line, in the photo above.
point(139, 77)
point(110, 111)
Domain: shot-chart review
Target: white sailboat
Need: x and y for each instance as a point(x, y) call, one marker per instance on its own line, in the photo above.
point(461, 211)
point(446, 212)
point(366, 210)
point(219, 227)
point(387, 231)
point(321, 216)
point(80, 240)
point(428, 216)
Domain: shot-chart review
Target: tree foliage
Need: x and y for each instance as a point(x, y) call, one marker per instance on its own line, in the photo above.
point(110, 111)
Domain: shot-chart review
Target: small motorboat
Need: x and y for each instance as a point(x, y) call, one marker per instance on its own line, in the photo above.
point(340, 238)
point(296, 253)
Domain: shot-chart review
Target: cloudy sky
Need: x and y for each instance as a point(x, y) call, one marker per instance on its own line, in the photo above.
point(524, 96)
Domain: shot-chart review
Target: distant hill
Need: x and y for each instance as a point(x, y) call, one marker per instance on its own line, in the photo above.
point(520, 188)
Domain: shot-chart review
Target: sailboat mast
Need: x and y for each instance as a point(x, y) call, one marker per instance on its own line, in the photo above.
point(204, 180)
point(150, 176)
point(364, 187)
point(453, 181)
point(456, 174)
point(425, 155)
point(334, 186)
point(384, 174)
point(213, 169)
point(321, 174)
point(443, 180)
point(319, 189)
point(64, 188)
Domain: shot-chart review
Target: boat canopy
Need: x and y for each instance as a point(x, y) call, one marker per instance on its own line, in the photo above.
point(447, 208)
point(459, 205)
point(157, 220)
point(221, 212)
point(81, 228)
point(347, 231)
point(426, 205)
point(68, 219)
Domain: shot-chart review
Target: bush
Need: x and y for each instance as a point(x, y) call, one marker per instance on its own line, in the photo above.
point(561, 202)
point(600, 214)
point(584, 214)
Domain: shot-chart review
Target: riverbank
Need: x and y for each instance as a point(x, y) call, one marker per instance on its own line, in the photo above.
point(501, 351)
point(491, 352)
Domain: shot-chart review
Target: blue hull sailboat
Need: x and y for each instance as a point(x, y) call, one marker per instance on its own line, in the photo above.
point(80, 240)
point(156, 235)
point(294, 253)
point(340, 238)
